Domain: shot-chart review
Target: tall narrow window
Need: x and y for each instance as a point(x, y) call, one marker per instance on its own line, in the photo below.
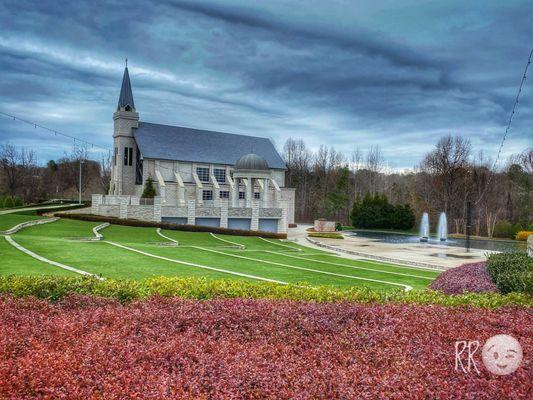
point(116, 155)
point(138, 168)
point(128, 155)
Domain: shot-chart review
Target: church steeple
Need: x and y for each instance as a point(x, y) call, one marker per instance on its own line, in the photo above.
point(125, 101)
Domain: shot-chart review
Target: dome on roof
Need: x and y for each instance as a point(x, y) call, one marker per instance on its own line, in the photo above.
point(251, 162)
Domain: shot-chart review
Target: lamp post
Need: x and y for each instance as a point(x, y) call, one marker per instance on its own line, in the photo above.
point(79, 198)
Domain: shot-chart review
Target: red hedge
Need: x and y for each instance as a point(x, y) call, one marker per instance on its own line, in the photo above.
point(170, 348)
point(465, 278)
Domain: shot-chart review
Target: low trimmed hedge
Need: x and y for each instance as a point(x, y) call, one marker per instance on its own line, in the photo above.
point(326, 235)
point(42, 211)
point(511, 272)
point(172, 227)
point(55, 288)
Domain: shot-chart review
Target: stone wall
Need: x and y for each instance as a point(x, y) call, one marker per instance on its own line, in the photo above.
point(109, 210)
point(144, 213)
point(239, 212)
point(270, 213)
point(170, 211)
point(208, 212)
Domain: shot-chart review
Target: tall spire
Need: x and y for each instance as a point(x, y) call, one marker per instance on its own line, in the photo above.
point(126, 96)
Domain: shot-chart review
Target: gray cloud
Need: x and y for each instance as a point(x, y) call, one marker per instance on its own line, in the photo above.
point(331, 73)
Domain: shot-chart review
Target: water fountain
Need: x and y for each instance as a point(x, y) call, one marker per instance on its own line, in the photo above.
point(442, 230)
point(424, 228)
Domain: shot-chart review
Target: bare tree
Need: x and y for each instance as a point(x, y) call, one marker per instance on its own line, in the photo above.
point(19, 171)
point(374, 164)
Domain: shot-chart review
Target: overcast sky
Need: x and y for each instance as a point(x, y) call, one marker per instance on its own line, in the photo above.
point(398, 73)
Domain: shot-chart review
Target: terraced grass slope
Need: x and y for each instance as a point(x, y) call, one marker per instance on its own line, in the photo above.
point(135, 253)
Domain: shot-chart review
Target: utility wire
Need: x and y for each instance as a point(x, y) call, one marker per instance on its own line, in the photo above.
point(55, 132)
point(515, 105)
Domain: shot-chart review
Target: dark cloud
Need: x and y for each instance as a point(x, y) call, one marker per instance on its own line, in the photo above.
point(332, 73)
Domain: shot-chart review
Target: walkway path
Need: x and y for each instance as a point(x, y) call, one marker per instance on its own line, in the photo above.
point(33, 208)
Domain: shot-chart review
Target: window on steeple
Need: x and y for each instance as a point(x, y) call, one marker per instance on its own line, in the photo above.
point(128, 155)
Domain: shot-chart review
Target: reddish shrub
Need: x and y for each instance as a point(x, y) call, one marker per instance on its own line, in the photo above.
point(171, 348)
point(465, 278)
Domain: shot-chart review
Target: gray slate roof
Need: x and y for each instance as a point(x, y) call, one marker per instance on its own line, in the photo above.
point(126, 96)
point(195, 145)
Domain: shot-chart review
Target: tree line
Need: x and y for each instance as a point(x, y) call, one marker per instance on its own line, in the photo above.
point(328, 183)
point(22, 179)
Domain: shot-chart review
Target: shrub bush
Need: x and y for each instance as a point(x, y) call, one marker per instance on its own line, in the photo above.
point(465, 278)
point(169, 226)
point(517, 228)
point(9, 202)
point(164, 348)
point(55, 288)
point(17, 201)
point(523, 235)
point(376, 212)
point(503, 229)
point(511, 272)
point(326, 235)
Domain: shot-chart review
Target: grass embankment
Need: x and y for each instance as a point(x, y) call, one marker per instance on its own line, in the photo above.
point(8, 221)
point(261, 259)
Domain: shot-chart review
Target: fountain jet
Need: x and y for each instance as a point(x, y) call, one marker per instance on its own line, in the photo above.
point(442, 230)
point(424, 228)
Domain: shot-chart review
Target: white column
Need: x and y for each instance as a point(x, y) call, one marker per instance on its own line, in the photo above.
point(97, 199)
point(249, 192)
point(123, 207)
point(157, 208)
point(191, 212)
point(265, 193)
point(235, 195)
point(254, 224)
point(199, 198)
point(224, 213)
point(282, 223)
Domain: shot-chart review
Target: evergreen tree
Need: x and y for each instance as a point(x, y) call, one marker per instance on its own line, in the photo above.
point(376, 212)
point(149, 189)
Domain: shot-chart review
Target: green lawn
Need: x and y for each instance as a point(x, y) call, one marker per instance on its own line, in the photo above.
point(135, 253)
point(8, 221)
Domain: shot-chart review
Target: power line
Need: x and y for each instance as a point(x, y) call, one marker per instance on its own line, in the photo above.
point(511, 116)
point(55, 132)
